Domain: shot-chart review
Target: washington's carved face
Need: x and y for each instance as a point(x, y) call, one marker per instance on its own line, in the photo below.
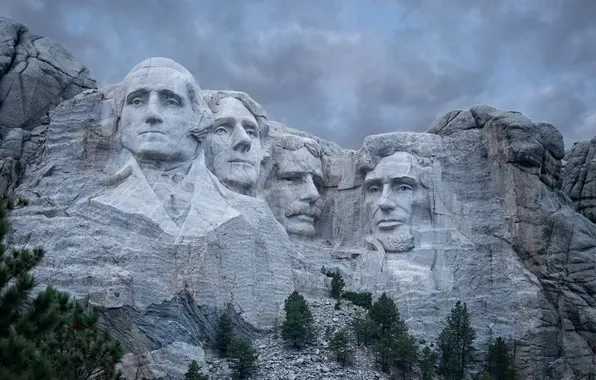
point(294, 191)
point(157, 115)
point(234, 146)
point(389, 196)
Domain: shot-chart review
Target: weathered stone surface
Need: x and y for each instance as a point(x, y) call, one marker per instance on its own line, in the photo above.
point(165, 204)
point(579, 181)
point(36, 74)
point(141, 226)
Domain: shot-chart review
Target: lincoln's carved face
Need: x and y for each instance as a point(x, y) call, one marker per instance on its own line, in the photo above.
point(234, 147)
point(294, 189)
point(157, 116)
point(389, 191)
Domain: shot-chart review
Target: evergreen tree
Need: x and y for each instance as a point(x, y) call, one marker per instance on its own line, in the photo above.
point(194, 372)
point(359, 299)
point(427, 363)
point(455, 343)
point(77, 349)
point(224, 334)
point(243, 358)
point(339, 343)
point(337, 286)
point(405, 353)
point(297, 328)
point(50, 337)
point(499, 363)
point(364, 329)
point(385, 315)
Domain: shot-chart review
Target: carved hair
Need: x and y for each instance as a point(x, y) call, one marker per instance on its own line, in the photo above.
point(203, 122)
point(213, 98)
point(292, 142)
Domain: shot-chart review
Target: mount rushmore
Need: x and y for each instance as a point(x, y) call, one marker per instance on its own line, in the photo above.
point(166, 204)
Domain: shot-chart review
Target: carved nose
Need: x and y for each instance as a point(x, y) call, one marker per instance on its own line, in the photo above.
point(310, 192)
point(240, 140)
point(153, 114)
point(385, 203)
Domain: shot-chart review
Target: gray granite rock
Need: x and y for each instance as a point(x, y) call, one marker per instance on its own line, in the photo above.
point(147, 211)
point(36, 74)
point(579, 181)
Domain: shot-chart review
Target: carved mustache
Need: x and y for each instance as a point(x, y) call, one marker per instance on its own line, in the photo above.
point(303, 209)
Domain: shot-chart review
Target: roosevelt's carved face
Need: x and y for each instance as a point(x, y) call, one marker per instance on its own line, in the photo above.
point(389, 196)
point(156, 116)
point(294, 189)
point(234, 147)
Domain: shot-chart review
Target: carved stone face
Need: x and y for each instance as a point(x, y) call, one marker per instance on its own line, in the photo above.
point(156, 116)
point(389, 196)
point(293, 191)
point(234, 147)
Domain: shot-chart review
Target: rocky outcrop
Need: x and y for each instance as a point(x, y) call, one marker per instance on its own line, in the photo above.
point(36, 74)
point(165, 205)
point(579, 182)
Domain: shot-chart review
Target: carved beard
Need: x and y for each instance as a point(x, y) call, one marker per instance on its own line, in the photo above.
point(401, 242)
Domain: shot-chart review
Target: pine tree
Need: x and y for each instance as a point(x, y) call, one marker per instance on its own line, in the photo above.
point(337, 286)
point(78, 349)
point(243, 358)
point(297, 328)
point(194, 372)
point(455, 343)
point(339, 343)
point(364, 329)
point(499, 363)
point(224, 334)
point(427, 363)
point(50, 337)
point(405, 353)
point(385, 315)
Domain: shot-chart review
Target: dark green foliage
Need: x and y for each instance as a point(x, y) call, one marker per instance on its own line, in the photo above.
point(194, 372)
point(359, 299)
point(297, 328)
point(337, 285)
point(224, 334)
point(455, 343)
point(427, 362)
point(499, 363)
point(339, 343)
point(405, 353)
point(364, 329)
point(78, 349)
point(385, 315)
point(243, 358)
point(392, 343)
point(49, 337)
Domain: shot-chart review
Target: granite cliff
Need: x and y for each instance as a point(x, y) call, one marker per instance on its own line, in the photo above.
point(165, 204)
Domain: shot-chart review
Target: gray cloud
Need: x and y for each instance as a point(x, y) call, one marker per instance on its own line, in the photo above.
point(311, 69)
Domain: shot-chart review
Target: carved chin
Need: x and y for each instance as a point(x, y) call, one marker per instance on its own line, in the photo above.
point(397, 243)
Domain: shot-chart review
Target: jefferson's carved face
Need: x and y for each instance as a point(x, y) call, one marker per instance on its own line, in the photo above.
point(389, 196)
point(157, 115)
point(234, 147)
point(294, 190)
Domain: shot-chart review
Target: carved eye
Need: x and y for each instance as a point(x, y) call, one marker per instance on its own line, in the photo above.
point(374, 189)
point(292, 178)
point(136, 101)
point(172, 102)
point(220, 131)
point(404, 188)
point(251, 133)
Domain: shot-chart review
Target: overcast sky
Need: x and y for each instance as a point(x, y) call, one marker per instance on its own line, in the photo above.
point(344, 69)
